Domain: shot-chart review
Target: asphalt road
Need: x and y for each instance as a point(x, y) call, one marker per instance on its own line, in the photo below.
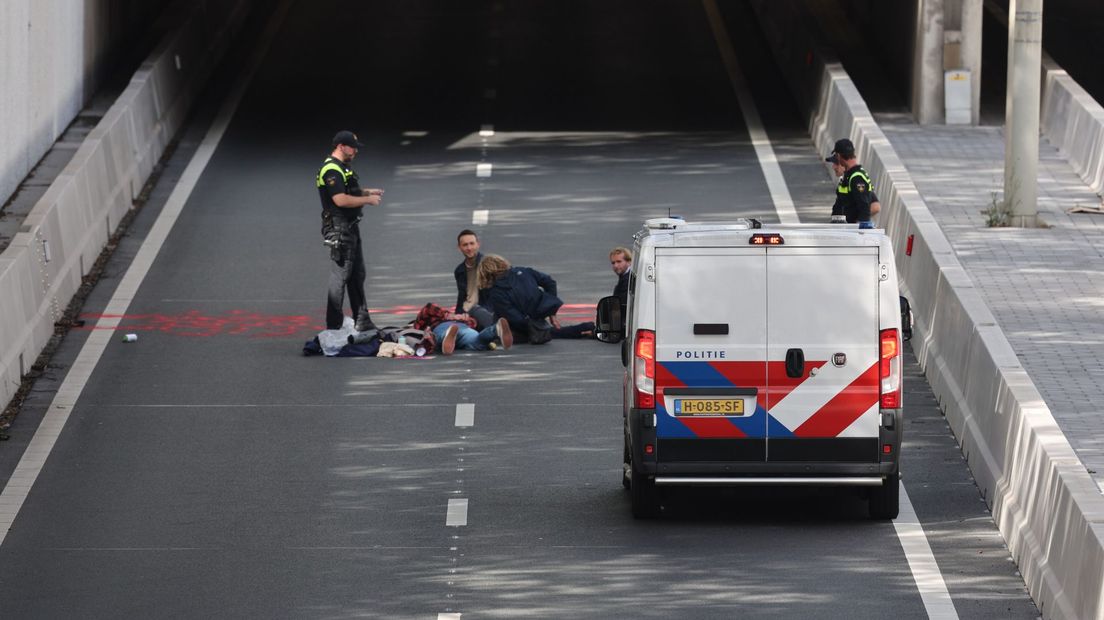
point(209, 470)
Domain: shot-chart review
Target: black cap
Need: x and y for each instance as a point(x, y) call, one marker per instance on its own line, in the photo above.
point(347, 138)
point(844, 148)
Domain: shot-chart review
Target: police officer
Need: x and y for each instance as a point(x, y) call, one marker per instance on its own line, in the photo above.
point(342, 201)
point(856, 201)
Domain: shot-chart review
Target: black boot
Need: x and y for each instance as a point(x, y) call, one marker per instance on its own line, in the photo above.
point(364, 322)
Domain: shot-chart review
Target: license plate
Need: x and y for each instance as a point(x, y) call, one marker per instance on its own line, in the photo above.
point(709, 406)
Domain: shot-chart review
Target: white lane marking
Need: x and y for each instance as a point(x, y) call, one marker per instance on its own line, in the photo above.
point(483, 170)
point(486, 131)
point(26, 472)
point(465, 414)
point(448, 616)
point(457, 514)
point(925, 570)
point(768, 161)
point(480, 217)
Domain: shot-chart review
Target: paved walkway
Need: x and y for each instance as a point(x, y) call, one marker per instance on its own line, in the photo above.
point(1045, 285)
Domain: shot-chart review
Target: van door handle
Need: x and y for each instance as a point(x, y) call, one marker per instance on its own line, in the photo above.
point(795, 363)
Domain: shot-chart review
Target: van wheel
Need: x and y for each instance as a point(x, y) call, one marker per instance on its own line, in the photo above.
point(885, 500)
point(645, 497)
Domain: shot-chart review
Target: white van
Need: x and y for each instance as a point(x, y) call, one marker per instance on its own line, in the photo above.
point(760, 356)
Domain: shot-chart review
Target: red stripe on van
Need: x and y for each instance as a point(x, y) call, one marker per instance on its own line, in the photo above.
point(782, 384)
point(712, 427)
point(664, 379)
point(846, 407)
point(745, 375)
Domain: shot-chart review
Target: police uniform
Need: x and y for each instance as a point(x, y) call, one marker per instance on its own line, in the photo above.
point(854, 192)
point(340, 231)
point(854, 195)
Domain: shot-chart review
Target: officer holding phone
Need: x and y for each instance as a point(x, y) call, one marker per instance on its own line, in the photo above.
point(342, 202)
point(856, 201)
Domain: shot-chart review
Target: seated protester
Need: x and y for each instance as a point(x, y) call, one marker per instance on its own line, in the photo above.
point(469, 299)
point(521, 294)
point(453, 330)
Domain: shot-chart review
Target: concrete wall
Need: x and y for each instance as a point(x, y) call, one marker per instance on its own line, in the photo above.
point(69, 226)
point(55, 54)
point(1073, 122)
point(1044, 502)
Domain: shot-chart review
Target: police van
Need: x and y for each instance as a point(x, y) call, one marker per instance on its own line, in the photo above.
point(760, 356)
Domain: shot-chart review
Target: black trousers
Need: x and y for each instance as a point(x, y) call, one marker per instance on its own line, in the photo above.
point(347, 273)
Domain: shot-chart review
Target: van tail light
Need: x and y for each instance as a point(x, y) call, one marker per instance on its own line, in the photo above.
point(891, 368)
point(644, 369)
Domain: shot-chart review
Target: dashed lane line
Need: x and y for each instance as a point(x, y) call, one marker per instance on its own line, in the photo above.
point(457, 515)
point(34, 458)
point(768, 161)
point(480, 217)
point(483, 170)
point(465, 414)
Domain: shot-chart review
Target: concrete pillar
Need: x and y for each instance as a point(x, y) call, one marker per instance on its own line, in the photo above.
point(972, 14)
point(1021, 123)
point(927, 63)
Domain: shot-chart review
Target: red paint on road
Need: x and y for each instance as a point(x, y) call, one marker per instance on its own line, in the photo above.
point(195, 323)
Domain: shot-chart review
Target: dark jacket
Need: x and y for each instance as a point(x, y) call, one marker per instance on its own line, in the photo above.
point(621, 291)
point(461, 274)
point(523, 293)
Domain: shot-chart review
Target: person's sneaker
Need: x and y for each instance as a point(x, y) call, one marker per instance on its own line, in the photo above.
point(448, 343)
point(505, 336)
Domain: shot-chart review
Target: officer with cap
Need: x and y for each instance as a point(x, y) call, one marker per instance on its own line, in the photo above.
point(342, 201)
point(856, 201)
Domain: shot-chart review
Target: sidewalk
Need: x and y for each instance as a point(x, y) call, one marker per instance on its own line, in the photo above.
point(1045, 286)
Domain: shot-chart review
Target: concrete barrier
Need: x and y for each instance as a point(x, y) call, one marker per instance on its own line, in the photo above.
point(1047, 507)
point(1073, 122)
point(70, 225)
point(56, 56)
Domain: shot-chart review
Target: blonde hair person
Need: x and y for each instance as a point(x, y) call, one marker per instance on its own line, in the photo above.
point(626, 252)
point(491, 268)
point(527, 299)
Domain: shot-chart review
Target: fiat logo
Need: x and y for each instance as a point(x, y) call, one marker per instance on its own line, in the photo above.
point(839, 359)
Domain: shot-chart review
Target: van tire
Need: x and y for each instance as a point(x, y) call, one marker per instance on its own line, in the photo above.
point(885, 500)
point(645, 497)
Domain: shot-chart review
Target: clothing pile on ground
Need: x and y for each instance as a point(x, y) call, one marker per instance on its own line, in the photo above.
point(382, 342)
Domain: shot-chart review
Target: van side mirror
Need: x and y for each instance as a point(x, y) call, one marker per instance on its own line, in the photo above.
point(906, 319)
point(610, 322)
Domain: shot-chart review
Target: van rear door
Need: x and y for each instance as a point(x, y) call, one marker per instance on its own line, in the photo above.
point(822, 311)
point(711, 352)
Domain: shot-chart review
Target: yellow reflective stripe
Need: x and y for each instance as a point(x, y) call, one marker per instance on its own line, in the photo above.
point(843, 190)
point(331, 166)
point(858, 173)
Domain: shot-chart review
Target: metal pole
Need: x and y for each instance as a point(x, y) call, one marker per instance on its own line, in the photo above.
point(1021, 153)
